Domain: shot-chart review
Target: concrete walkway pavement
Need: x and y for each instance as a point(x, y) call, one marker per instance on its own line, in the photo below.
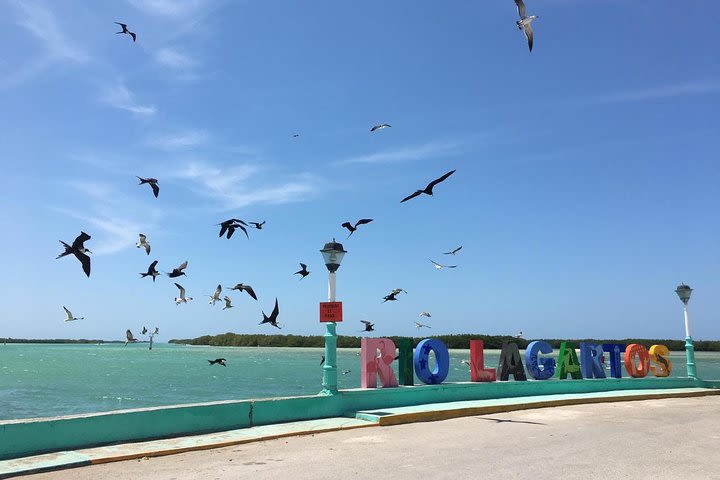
point(662, 438)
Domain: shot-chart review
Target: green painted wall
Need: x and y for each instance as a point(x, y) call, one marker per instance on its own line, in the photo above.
point(26, 437)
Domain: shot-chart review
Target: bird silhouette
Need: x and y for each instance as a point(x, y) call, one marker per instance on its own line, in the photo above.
point(125, 30)
point(454, 251)
point(218, 361)
point(257, 225)
point(144, 331)
point(230, 225)
point(439, 266)
point(425, 314)
point(419, 325)
point(153, 184)
point(78, 249)
point(380, 127)
point(369, 327)
point(247, 288)
point(179, 270)
point(428, 190)
point(272, 319)
point(390, 297)
point(352, 228)
point(228, 302)
point(322, 359)
point(129, 338)
point(151, 271)
point(303, 271)
point(525, 22)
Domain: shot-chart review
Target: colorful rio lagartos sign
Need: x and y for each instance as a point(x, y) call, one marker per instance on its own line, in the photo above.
point(378, 354)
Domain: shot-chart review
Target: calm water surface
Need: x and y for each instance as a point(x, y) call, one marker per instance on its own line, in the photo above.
point(47, 380)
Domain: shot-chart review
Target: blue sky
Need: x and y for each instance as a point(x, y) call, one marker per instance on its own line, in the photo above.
point(586, 185)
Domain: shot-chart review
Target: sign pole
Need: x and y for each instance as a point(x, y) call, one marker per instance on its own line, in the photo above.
point(330, 367)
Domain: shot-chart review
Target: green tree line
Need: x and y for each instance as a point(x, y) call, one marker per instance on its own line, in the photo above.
point(452, 341)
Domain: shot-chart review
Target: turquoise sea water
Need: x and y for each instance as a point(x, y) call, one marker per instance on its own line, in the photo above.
point(47, 380)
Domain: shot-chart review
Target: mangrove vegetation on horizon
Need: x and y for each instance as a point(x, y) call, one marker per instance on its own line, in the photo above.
point(452, 341)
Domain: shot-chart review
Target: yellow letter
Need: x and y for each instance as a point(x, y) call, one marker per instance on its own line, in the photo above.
point(663, 365)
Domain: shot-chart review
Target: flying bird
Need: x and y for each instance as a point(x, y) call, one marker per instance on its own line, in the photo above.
point(78, 249)
point(322, 359)
point(143, 243)
point(228, 302)
point(352, 228)
point(303, 271)
point(425, 314)
point(215, 296)
point(272, 319)
point(181, 298)
point(439, 266)
point(395, 291)
point(519, 334)
point(369, 327)
point(525, 22)
point(419, 325)
point(125, 30)
point(453, 252)
point(144, 331)
point(151, 271)
point(230, 225)
point(179, 270)
point(258, 225)
point(218, 361)
point(295, 135)
point(129, 337)
point(70, 317)
point(428, 190)
point(247, 288)
point(153, 184)
point(380, 127)
point(157, 330)
point(345, 372)
point(390, 297)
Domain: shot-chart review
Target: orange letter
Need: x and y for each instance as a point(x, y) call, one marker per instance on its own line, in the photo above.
point(640, 370)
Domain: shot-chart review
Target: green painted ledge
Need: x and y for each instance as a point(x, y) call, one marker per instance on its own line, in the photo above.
point(20, 438)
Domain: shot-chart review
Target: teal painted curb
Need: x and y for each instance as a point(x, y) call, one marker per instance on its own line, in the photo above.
point(20, 438)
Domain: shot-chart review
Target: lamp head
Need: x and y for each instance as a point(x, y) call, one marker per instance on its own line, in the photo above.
point(683, 291)
point(333, 254)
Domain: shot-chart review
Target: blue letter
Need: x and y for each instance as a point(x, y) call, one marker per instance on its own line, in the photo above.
point(531, 359)
point(590, 355)
point(614, 349)
point(422, 363)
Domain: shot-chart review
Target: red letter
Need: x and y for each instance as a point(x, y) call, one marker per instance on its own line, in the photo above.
point(478, 372)
point(374, 364)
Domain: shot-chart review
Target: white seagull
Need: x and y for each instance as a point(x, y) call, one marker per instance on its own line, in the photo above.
point(419, 325)
point(215, 297)
point(70, 317)
point(143, 243)
point(440, 266)
point(525, 22)
point(425, 314)
point(228, 303)
point(380, 127)
point(519, 334)
point(181, 298)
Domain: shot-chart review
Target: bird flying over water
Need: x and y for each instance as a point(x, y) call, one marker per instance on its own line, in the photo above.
point(129, 337)
point(230, 225)
point(272, 319)
point(181, 298)
point(453, 252)
point(151, 271)
point(228, 302)
point(143, 243)
point(369, 327)
point(125, 30)
point(153, 184)
point(428, 190)
point(519, 334)
point(439, 266)
point(351, 228)
point(70, 317)
point(247, 288)
point(303, 271)
point(322, 359)
point(257, 225)
point(215, 296)
point(525, 22)
point(218, 361)
point(144, 331)
point(419, 325)
point(380, 127)
point(179, 270)
point(78, 249)
point(345, 372)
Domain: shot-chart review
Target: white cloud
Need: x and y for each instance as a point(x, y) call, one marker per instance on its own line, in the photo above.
point(180, 140)
point(417, 152)
point(232, 189)
point(654, 93)
point(169, 8)
point(174, 59)
point(118, 96)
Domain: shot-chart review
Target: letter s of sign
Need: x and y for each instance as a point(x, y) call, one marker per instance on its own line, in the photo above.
point(663, 365)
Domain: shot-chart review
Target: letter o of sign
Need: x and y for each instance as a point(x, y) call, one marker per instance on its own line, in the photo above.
point(421, 359)
point(637, 370)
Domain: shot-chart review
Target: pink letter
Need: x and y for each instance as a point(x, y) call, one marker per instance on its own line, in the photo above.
point(478, 372)
point(374, 364)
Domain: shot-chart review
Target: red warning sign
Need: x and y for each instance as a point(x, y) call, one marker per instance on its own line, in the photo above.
point(331, 311)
